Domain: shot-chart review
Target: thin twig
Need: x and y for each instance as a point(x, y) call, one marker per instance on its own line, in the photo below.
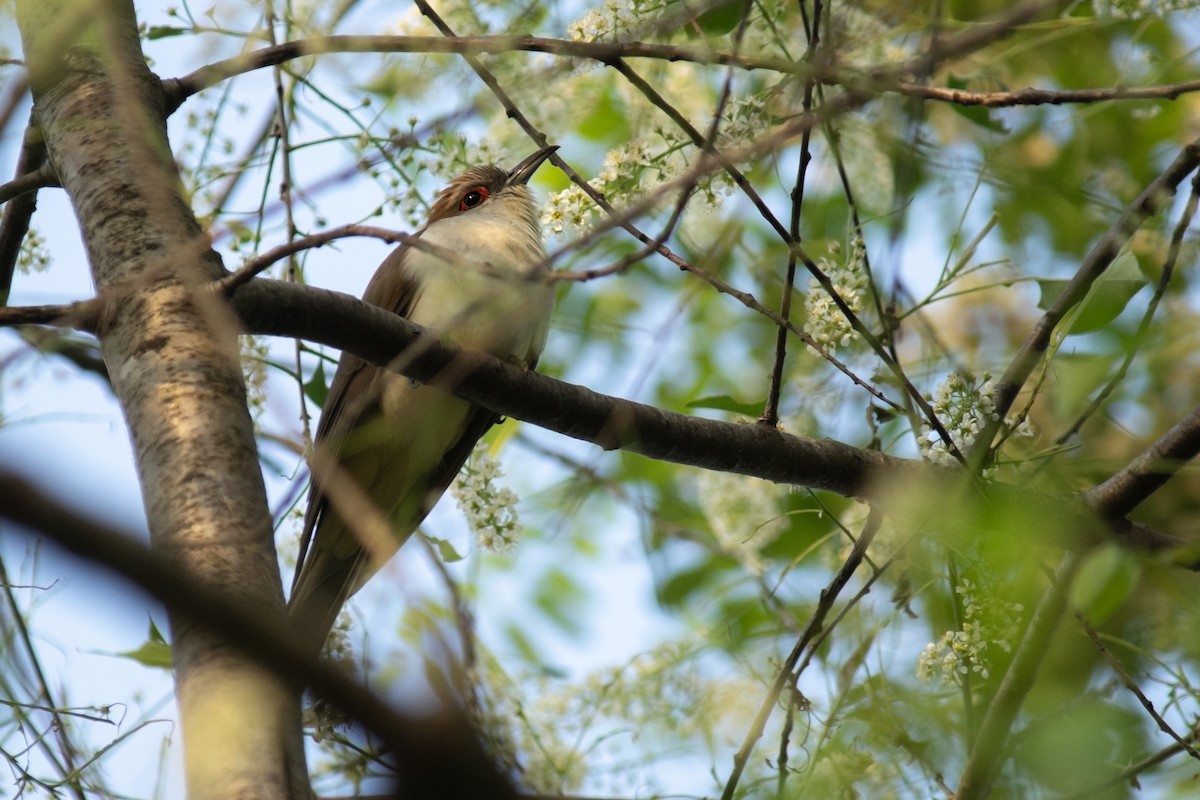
point(263, 261)
point(66, 749)
point(1132, 686)
point(31, 169)
point(1030, 96)
point(1143, 331)
point(770, 414)
point(1131, 772)
point(784, 676)
point(179, 89)
point(1148, 203)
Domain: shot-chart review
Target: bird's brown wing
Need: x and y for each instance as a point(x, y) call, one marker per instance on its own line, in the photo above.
point(448, 468)
point(354, 391)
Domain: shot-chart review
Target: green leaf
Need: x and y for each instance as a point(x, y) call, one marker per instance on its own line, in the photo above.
point(1077, 376)
point(606, 120)
point(723, 402)
point(317, 388)
point(1104, 582)
point(681, 588)
point(164, 31)
point(979, 115)
point(1108, 297)
point(445, 549)
point(154, 652)
point(718, 20)
point(561, 599)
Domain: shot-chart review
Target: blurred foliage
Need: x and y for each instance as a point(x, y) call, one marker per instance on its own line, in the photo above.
point(962, 222)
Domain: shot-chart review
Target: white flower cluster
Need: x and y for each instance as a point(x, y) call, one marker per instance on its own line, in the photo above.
point(255, 358)
point(491, 510)
point(524, 739)
point(605, 22)
point(618, 180)
point(823, 320)
point(964, 405)
point(964, 652)
point(744, 120)
point(743, 513)
point(453, 153)
point(1141, 9)
point(34, 256)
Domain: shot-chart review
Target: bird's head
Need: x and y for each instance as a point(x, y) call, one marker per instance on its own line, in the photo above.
point(491, 190)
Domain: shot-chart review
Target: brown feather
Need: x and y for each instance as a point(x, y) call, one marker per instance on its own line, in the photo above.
point(354, 391)
point(371, 415)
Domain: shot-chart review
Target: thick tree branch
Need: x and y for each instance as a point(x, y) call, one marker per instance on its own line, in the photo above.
point(1124, 491)
point(280, 309)
point(27, 182)
point(338, 320)
point(171, 352)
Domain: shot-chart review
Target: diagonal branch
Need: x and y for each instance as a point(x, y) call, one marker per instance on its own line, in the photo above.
point(1147, 204)
point(437, 756)
point(338, 320)
point(1143, 476)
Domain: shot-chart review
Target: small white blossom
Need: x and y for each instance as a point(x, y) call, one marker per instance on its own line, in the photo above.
point(619, 180)
point(964, 404)
point(606, 22)
point(491, 510)
point(823, 320)
point(34, 255)
point(743, 513)
point(987, 623)
point(571, 209)
point(1140, 9)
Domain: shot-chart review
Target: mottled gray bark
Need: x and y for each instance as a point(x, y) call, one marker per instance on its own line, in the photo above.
point(172, 356)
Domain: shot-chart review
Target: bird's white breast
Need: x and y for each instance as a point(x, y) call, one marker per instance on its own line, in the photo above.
point(494, 297)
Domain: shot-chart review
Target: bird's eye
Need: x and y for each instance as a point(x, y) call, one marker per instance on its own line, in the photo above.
point(473, 198)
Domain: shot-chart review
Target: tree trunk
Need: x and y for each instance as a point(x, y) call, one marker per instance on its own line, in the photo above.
point(173, 358)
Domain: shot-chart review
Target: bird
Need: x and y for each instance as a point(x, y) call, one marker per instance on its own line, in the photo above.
point(475, 276)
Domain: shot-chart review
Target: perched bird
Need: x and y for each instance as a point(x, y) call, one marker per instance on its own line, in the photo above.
point(478, 283)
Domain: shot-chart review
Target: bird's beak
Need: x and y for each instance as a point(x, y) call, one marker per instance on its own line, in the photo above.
point(522, 172)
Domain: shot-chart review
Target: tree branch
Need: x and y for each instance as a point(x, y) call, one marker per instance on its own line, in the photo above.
point(1031, 96)
point(176, 90)
point(1143, 476)
point(1147, 204)
point(21, 202)
point(280, 309)
point(438, 756)
point(171, 349)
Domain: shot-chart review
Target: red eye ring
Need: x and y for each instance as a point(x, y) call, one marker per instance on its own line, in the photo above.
point(473, 198)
